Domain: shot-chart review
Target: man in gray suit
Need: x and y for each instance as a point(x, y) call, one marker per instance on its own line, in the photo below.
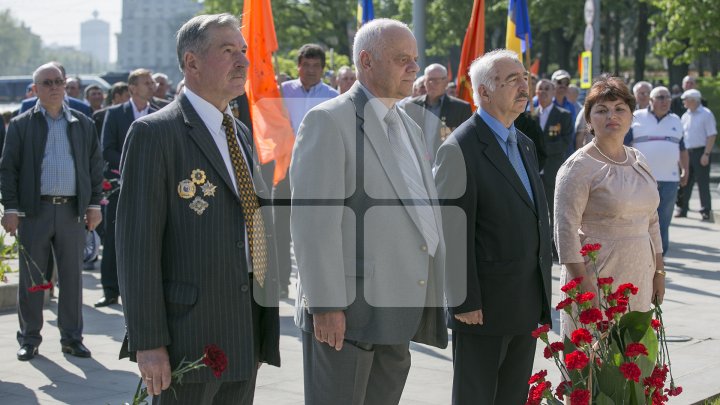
point(367, 236)
point(51, 176)
point(192, 245)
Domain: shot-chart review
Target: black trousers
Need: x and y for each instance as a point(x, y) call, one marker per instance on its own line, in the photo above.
point(701, 175)
point(108, 266)
point(491, 370)
point(281, 222)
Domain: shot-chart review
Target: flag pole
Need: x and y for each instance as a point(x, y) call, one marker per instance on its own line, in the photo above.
point(527, 64)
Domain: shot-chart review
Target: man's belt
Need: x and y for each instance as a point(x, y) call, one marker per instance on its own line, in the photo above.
point(58, 199)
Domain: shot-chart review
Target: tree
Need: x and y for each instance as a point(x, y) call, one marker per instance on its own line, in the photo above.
point(685, 29)
point(21, 49)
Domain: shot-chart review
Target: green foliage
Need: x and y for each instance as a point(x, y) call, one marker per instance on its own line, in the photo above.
point(685, 29)
point(18, 45)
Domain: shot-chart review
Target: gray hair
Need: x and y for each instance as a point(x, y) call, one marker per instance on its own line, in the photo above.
point(344, 69)
point(158, 74)
point(369, 38)
point(45, 67)
point(657, 90)
point(550, 82)
point(640, 84)
point(436, 66)
point(483, 72)
point(419, 82)
point(193, 35)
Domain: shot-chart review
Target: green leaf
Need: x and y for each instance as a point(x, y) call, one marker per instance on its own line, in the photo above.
point(636, 323)
point(603, 399)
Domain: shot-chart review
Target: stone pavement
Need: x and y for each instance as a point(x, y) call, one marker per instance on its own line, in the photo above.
point(691, 311)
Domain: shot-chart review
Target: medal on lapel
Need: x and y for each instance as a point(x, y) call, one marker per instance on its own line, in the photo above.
point(208, 189)
point(198, 205)
point(186, 189)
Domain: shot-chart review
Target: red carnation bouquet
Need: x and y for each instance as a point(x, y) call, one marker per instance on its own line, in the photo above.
point(213, 357)
point(614, 355)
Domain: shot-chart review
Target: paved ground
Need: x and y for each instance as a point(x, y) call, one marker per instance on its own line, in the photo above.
point(691, 311)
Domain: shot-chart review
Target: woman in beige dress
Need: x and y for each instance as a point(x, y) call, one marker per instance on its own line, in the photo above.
point(606, 194)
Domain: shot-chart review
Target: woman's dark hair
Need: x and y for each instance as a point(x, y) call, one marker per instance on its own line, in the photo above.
point(611, 88)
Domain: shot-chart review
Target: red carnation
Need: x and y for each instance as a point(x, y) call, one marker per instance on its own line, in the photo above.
point(576, 360)
point(616, 310)
point(564, 304)
point(581, 335)
point(585, 297)
point(535, 395)
point(215, 359)
point(538, 377)
point(41, 287)
point(562, 389)
point(605, 281)
point(627, 289)
point(580, 397)
point(655, 324)
point(630, 371)
point(635, 349)
point(553, 348)
point(106, 185)
point(673, 392)
point(571, 285)
point(590, 248)
point(590, 315)
point(602, 326)
point(541, 331)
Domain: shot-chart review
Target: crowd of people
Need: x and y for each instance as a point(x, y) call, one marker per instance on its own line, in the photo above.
point(405, 212)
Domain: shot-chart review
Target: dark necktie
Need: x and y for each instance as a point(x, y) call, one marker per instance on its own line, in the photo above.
point(248, 200)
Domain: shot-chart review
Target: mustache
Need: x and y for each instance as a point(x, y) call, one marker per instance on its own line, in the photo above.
point(523, 95)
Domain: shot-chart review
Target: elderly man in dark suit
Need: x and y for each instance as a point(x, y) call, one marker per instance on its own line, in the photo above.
point(367, 238)
point(498, 269)
point(195, 262)
point(437, 113)
point(51, 178)
point(557, 126)
point(115, 127)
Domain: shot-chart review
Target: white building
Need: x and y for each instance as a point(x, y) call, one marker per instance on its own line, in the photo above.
point(95, 39)
point(147, 37)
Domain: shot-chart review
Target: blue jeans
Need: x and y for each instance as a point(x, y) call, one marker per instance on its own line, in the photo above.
point(668, 194)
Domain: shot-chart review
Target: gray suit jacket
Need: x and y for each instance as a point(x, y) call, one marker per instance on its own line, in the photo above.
point(183, 274)
point(357, 242)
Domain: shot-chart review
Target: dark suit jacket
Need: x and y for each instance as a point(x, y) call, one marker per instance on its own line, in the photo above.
point(22, 156)
point(504, 258)
point(557, 138)
point(73, 103)
point(159, 103)
point(453, 112)
point(531, 128)
point(184, 275)
point(99, 119)
point(115, 127)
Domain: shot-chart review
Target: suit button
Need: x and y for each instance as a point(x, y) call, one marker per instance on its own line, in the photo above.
point(244, 288)
point(421, 282)
point(423, 248)
point(240, 244)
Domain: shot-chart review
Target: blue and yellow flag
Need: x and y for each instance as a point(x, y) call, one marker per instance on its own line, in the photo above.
point(518, 24)
point(365, 12)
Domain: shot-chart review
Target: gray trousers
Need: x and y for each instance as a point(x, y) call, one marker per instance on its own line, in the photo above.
point(59, 227)
point(359, 374)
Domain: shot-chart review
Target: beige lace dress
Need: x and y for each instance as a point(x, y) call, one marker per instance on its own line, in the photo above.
point(615, 206)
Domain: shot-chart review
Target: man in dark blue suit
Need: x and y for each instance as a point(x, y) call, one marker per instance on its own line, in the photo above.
point(115, 127)
point(73, 103)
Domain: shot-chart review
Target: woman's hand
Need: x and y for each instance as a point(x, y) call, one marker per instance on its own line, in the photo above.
point(658, 288)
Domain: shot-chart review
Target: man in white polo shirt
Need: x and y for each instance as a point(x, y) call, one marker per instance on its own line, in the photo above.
point(700, 132)
point(658, 134)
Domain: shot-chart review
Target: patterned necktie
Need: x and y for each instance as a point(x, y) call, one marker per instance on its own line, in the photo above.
point(515, 159)
point(414, 181)
point(251, 208)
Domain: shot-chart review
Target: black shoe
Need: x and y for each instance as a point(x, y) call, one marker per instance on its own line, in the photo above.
point(706, 217)
point(106, 301)
point(76, 349)
point(680, 214)
point(27, 352)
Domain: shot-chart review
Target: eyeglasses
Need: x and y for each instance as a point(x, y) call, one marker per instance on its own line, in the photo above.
point(49, 83)
point(661, 97)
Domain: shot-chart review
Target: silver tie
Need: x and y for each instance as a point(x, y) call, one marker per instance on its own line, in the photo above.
point(515, 159)
point(413, 180)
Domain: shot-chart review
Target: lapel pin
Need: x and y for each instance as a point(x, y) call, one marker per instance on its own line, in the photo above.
point(208, 189)
point(186, 189)
point(198, 176)
point(198, 205)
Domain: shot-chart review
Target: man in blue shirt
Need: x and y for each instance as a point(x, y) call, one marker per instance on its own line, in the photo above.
point(300, 96)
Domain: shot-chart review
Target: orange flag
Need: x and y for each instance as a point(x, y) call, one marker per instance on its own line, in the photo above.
point(473, 47)
point(272, 131)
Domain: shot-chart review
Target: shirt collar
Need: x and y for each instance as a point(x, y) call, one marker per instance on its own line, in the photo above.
point(211, 116)
point(495, 125)
point(380, 109)
point(64, 112)
point(136, 110)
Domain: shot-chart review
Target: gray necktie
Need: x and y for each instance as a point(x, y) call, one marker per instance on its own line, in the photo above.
point(515, 159)
point(414, 181)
